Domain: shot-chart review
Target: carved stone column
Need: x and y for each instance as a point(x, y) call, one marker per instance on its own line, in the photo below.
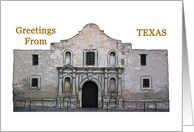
point(74, 82)
point(106, 83)
point(119, 97)
point(74, 97)
point(60, 82)
point(105, 98)
point(119, 81)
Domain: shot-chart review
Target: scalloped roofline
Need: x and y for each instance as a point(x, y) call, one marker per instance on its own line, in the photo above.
point(87, 26)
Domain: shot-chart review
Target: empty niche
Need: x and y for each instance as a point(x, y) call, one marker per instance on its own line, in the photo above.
point(112, 58)
point(112, 85)
point(68, 58)
point(67, 85)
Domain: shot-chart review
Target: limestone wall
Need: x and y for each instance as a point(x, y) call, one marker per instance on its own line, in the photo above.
point(91, 37)
point(23, 69)
point(156, 68)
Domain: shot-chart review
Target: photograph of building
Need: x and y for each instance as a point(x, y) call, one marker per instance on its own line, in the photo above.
point(91, 70)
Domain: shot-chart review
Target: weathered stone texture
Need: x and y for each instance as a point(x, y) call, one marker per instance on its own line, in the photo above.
point(51, 69)
point(90, 38)
point(156, 68)
point(23, 69)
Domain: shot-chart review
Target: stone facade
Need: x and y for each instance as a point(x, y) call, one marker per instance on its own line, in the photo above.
point(117, 71)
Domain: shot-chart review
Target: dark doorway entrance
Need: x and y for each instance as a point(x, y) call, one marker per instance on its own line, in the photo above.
point(90, 95)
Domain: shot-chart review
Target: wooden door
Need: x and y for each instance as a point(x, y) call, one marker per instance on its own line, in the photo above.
point(90, 95)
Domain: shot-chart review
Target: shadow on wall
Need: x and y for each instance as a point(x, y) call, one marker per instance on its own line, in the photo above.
point(22, 90)
point(148, 94)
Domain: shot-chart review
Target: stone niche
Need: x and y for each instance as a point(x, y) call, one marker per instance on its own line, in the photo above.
point(107, 80)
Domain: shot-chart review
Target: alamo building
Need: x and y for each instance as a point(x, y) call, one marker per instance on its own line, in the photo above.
point(91, 70)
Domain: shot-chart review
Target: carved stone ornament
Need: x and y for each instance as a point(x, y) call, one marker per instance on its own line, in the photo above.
point(90, 77)
point(67, 94)
point(112, 94)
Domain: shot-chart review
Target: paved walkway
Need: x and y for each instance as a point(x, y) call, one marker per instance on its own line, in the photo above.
point(84, 110)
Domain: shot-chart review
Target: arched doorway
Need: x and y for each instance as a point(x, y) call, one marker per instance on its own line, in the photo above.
point(90, 95)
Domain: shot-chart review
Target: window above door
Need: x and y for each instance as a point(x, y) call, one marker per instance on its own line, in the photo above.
point(90, 58)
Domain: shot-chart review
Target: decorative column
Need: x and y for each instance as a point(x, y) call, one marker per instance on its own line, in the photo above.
point(74, 83)
point(74, 97)
point(105, 98)
point(60, 81)
point(106, 83)
point(119, 97)
point(119, 81)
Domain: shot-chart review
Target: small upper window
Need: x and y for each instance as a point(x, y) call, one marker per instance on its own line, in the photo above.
point(35, 59)
point(143, 59)
point(90, 58)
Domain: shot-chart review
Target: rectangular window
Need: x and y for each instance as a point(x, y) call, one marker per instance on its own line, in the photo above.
point(34, 82)
point(35, 59)
point(146, 83)
point(90, 58)
point(143, 59)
